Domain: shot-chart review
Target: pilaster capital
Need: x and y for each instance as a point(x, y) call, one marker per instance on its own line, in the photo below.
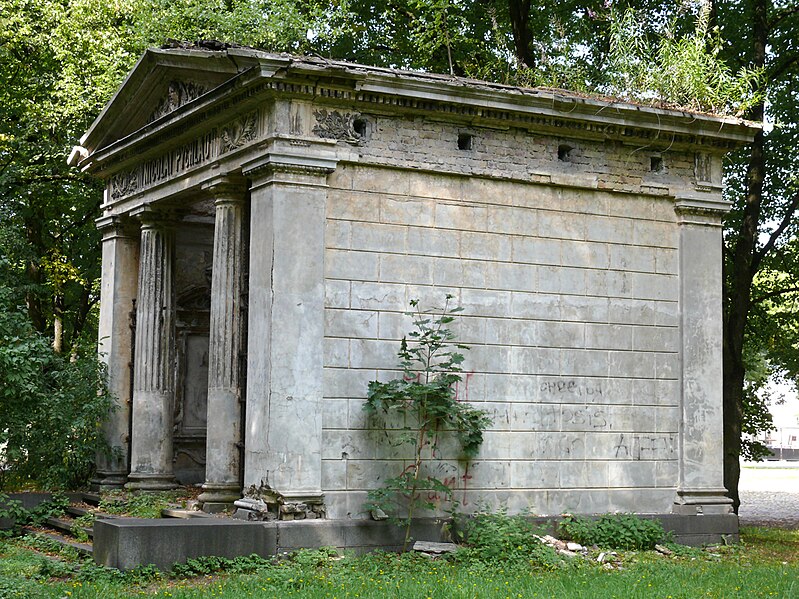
point(701, 209)
point(296, 162)
point(115, 226)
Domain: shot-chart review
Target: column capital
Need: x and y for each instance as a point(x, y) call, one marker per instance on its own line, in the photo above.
point(151, 216)
point(226, 188)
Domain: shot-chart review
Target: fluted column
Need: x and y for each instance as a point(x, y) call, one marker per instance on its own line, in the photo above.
point(701, 485)
point(222, 463)
point(115, 346)
point(153, 374)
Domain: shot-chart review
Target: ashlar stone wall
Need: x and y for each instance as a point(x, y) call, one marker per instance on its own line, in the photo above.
point(570, 301)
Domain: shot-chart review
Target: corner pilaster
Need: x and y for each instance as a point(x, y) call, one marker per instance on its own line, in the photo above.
point(118, 288)
point(283, 452)
point(701, 484)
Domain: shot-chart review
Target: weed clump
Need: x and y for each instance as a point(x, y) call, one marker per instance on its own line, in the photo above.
point(614, 531)
point(496, 538)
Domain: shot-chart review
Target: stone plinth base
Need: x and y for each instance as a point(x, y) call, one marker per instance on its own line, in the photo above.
point(151, 482)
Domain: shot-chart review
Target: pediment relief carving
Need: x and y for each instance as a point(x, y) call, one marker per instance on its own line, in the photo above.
point(178, 94)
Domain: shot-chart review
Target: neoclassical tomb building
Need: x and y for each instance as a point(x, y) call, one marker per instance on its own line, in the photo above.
point(267, 219)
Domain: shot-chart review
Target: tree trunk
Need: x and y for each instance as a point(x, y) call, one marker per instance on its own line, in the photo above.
point(522, 40)
point(739, 280)
point(58, 323)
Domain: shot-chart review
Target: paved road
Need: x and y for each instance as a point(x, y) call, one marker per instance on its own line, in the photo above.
point(770, 494)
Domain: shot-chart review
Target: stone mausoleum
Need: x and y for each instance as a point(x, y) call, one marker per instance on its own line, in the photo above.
point(267, 219)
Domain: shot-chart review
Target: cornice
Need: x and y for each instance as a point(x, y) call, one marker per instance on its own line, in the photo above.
point(260, 76)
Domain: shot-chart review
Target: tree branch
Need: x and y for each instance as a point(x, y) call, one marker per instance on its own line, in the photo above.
point(781, 16)
point(775, 234)
point(773, 294)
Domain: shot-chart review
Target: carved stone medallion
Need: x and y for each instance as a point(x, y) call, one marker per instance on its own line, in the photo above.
point(337, 125)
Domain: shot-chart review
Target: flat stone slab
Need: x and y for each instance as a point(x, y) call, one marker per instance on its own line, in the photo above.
point(125, 543)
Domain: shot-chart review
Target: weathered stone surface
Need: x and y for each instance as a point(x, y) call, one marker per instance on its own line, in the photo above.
point(589, 280)
point(153, 378)
point(226, 346)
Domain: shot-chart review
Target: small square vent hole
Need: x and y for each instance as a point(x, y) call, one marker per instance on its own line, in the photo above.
point(656, 164)
point(465, 141)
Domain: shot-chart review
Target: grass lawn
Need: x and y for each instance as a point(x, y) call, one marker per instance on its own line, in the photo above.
point(765, 564)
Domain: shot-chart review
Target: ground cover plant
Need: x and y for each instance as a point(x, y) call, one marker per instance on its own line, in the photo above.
point(765, 564)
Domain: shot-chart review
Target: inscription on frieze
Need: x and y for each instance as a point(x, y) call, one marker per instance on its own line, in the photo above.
point(151, 172)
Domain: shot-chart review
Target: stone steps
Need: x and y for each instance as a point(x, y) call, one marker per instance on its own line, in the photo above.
point(59, 529)
point(81, 548)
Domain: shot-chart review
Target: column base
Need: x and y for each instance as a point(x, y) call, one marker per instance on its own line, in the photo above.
point(107, 481)
point(696, 502)
point(151, 482)
point(219, 497)
point(281, 507)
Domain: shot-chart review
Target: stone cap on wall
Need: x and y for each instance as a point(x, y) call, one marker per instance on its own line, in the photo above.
point(172, 88)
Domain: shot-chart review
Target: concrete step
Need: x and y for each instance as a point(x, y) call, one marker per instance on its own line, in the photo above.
point(79, 511)
point(91, 498)
point(81, 548)
point(65, 526)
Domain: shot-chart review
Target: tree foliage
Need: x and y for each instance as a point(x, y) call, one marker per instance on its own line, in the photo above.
point(50, 407)
point(60, 61)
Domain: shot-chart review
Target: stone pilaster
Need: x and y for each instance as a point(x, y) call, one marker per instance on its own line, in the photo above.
point(701, 485)
point(222, 483)
point(117, 303)
point(153, 366)
point(283, 459)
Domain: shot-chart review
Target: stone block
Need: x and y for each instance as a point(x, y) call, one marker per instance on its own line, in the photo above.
point(407, 211)
point(334, 475)
point(485, 246)
point(537, 250)
point(125, 543)
point(378, 237)
point(353, 206)
point(428, 241)
point(654, 287)
point(585, 255)
point(512, 221)
point(608, 336)
point(353, 266)
point(559, 225)
point(336, 353)
point(608, 230)
point(337, 293)
point(370, 295)
point(461, 217)
point(338, 234)
point(633, 258)
point(535, 474)
point(380, 180)
point(416, 270)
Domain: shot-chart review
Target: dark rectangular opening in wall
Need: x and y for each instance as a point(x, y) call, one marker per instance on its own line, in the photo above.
point(565, 152)
point(465, 141)
point(656, 164)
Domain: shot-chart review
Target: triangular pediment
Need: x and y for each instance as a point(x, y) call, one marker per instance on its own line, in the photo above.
point(160, 84)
